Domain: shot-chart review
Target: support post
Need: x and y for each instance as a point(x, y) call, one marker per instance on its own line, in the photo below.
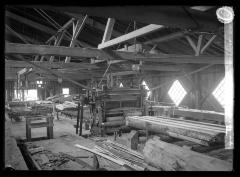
point(78, 115)
point(81, 119)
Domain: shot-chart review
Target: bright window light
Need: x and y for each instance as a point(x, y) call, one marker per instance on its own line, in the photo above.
point(30, 95)
point(121, 85)
point(65, 91)
point(177, 92)
point(218, 93)
point(147, 88)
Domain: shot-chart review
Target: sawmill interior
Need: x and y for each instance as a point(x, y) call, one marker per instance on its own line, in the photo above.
point(121, 88)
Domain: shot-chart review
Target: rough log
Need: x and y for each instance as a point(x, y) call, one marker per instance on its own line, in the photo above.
point(171, 157)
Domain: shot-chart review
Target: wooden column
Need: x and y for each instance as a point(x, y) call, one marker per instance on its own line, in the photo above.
point(78, 115)
point(81, 118)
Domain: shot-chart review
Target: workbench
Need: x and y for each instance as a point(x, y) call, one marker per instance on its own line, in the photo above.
point(33, 122)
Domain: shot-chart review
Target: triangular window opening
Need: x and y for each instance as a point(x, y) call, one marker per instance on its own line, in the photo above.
point(147, 88)
point(219, 92)
point(177, 92)
point(121, 85)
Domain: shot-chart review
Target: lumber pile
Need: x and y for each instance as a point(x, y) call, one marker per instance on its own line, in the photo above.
point(120, 155)
point(66, 104)
point(199, 132)
point(201, 115)
point(61, 98)
point(17, 104)
point(171, 157)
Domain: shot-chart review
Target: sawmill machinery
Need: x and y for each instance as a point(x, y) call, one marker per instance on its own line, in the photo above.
point(111, 104)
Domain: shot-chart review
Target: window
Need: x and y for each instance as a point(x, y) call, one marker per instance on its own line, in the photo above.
point(218, 93)
point(30, 95)
point(147, 88)
point(121, 85)
point(65, 91)
point(177, 92)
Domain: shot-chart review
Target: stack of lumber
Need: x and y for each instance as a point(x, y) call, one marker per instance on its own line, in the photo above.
point(201, 115)
point(61, 98)
point(17, 104)
point(170, 157)
point(66, 104)
point(43, 102)
point(198, 132)
point(119, 154)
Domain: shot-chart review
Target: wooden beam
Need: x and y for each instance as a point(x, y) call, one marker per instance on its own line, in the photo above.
point(54, 65)
point(54, 73)
point(131, 35)
point(123, 73)
point(92, 23)
point(108, 31)
point(208, 43)
point(66, 25)
point(76, 30)
point(190, 41)
point(57, 43)
point(167, 37)
point(159, 68)
point(198, 47)
point(11, 48)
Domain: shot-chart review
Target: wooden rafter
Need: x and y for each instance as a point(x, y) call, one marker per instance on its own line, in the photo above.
point(197, 47)
point(55, 65)
point(167, 37)
point(208, 44)
point(190, 41)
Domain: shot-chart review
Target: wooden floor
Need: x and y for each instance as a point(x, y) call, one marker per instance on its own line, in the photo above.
point(13, 156)
point(64, 140)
